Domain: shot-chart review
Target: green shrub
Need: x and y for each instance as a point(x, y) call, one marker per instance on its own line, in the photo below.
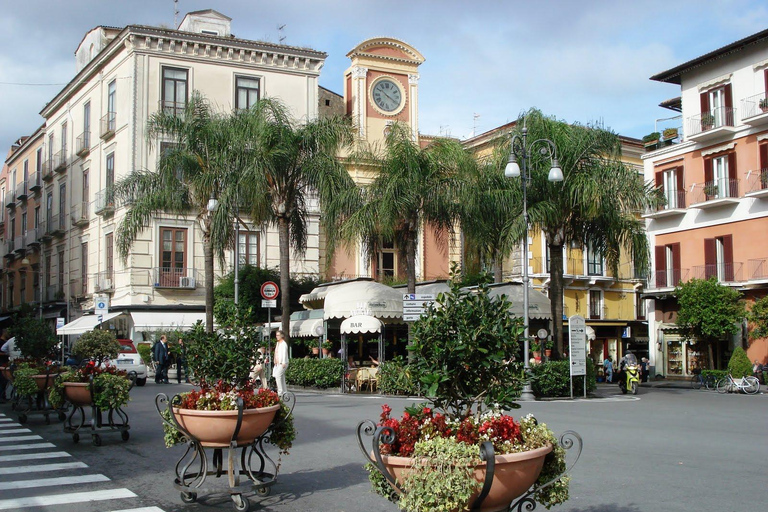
point(552, 379)
point(23, 383)
point(315, 373)
point(111, 391)
point(34, 338)
point(716, 374)
point(739, 365)
point(145, 351)
point(97, 345)
point(395, 378)
point(651, 137)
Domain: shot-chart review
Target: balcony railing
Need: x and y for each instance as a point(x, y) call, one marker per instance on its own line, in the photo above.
point(105, 201)
point(21, 191)
point(33, 236)
point(10, 199)
point(47, 170)
point(55, 225)
point(716, 189)
point(60, 161)
point(104, 282)
point(169, 277)
point(724, 272)
point(54, 293)
point(80, 213)
point(715, 118)
point(19, 244)
point(83, 143)
point(9, 247)
point(668, 278)
point(35, 181)
point(757, 269)
point(757, 181)
point(754, 105)
point(172, 108)
point(108, 125)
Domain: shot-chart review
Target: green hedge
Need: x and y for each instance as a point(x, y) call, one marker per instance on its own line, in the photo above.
point(145, 351)
point(552, 379)
point(315, 373)
point(739, 365)
point(395, 378)
point(716, 374)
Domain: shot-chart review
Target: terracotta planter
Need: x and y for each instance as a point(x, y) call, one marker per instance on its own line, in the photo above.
point(548, 352)
point(315, 350)
point(514, 474)
point(215, 428)
point(325, 352)
point(6, 373)
point(537, 354)
point(44, 381)
point(77, 393)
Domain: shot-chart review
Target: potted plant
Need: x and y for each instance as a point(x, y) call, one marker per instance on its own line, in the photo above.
point(438, 457)
point(548, 346)
point(650, 140)
point(327, 347)
point(763, 104)
point(670, 133)
point(707, 121)
point(535, 347)
point(710, 190)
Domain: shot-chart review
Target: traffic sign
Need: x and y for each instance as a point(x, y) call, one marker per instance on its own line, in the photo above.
point(419, 296)
point(415, 305)
point(59, 323)
point(100, 304)
point(269, 303)
point(269, 290)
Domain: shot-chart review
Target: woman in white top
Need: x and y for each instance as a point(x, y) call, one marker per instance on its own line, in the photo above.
point(281, 362)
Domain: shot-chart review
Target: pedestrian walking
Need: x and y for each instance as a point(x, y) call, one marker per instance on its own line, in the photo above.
point(161, 358)
point(608, 369)
point(281, 362)
point(181, 361)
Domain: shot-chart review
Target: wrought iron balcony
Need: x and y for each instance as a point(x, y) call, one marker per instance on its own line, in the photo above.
point(668, 278)
point(9, 247)
point(35, 181)
point(21, 191)
point(104, 282)
point(108, 125)
point(47, 170)
point(19, 243)
point(105, 201)
point(55, 225)
point(60, 161)
point(80, 213)
point(170, 277)
point(10, 199)
point(712, 124)
point(33, 237)
point(83, 144)
point(757, 269)
point(716, 193)
point(675, 205)
point(172, 108)
point(757, 183)
point(754, 109)
point(724, 272)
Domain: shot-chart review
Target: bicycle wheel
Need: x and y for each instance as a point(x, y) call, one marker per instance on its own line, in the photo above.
point(710, 382)
point(696, 382)
point(723, 385)
point(751, 385)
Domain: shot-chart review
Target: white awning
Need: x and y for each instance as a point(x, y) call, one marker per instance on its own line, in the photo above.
point(360, 324)
point(159, 320)
point(375, 299)
point(306, 328)
point(85, 323)
point(538, 303)
point(590, 333)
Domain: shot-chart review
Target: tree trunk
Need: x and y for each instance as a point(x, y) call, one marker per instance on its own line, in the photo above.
point(556, 296)
point(285, 275)
point(498, 263)
point(208, 264)
point(410, 261)
point(711, 356)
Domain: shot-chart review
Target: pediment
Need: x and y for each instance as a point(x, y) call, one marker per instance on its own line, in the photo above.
point(387, 48)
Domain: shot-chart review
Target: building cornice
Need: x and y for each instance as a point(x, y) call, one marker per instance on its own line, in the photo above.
point(196, 46)
point(28, 142)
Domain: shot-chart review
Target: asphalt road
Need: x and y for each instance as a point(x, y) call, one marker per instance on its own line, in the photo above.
point(665, 450)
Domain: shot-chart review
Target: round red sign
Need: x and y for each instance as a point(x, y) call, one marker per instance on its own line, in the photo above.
point(269, 290)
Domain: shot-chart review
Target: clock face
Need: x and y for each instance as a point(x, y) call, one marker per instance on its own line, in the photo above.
point(386, 95)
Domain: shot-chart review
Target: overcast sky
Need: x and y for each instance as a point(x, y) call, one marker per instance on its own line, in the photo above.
point(580, 61)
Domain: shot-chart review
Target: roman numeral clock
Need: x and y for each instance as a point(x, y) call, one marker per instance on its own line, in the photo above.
point(387, 95)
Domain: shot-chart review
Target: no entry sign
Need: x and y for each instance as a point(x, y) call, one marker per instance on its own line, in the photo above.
point(269, 290)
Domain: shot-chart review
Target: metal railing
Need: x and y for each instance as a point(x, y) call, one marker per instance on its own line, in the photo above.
point(83, 143)
point(754, 105)
point(21, 190)
point(34, 181)
point(668, 278)
point(80, 212)
point(33, 236)
point(108, 125)
point(172, 108)
point(170, 277)
point(47, 170)
point(716, 189)
point(724, 272)
point(105, 200)
point(10, 199)
point(715, 118)
point(60, 161)
point(54, 224)
point(9, 246)
point(757, 180)
point(757, 268)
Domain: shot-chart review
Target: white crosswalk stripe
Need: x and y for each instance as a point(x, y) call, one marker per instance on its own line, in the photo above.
point(32, 454)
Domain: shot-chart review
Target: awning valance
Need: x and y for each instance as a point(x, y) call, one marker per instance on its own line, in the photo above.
point(85, 323)
point(306, 328)
point(590, 333)
point(539, 306)
point(159, 320)
point(360, 324)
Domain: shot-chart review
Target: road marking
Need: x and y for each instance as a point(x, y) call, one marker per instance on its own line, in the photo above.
point(29, 456)
point(142, 509)
point(19, 438)
point(61, 499)
point(5, 419)
point(27, 446)
point(17, 431)
point(7, 424)
point(42, 467)
point(48, 482)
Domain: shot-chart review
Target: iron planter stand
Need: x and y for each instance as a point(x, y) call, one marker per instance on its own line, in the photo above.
point(116, 419)
point(253, 462)
point(37, 404)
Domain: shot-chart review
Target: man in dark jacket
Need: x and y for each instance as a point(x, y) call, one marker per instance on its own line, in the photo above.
point(161, 358)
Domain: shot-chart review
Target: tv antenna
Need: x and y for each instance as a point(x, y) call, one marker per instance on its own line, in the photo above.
point(475, 117)
point(175, 14)
point(281, 33)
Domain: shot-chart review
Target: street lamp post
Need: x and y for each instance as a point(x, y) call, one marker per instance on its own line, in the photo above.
point(522, 150)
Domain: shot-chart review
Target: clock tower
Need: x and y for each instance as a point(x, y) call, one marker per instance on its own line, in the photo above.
point(382, 86)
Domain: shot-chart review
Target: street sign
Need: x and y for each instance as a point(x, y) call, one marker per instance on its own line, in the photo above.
point(577, 333)
point(59, 323)
point(269, 290)
point(415, 305)
point(100, 304)
point(269, 303)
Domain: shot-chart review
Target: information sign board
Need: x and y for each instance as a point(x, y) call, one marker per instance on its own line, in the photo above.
point(577, 334)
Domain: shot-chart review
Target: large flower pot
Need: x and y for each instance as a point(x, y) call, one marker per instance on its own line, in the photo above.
point(514, 474)
point(215, 428)
point(77, 393)
point(43, 381)
point(6, 373)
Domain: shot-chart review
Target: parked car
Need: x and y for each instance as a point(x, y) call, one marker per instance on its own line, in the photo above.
point(129, 360)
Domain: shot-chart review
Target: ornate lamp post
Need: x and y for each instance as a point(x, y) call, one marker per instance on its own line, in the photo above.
point(522, 150)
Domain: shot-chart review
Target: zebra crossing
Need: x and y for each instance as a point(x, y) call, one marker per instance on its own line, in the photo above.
point(34, 474)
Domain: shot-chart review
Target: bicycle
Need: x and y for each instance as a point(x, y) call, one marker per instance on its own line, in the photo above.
point(749, 384)
point(698, 380)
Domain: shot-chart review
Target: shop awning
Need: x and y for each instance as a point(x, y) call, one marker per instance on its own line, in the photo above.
point(360, 324)
point(159, 320)
point(363, 297)
point(306, 328)
point(590, 333)
point(539, 306)
point(85, 323)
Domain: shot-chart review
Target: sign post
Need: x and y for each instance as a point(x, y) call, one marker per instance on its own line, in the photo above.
point(577, 341)
point(415, 305)
point(269, 292)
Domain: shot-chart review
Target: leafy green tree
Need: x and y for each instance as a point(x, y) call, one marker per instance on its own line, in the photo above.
point(414, 189)
point(202, 163)
point(287, 166)
point(596, 205)
point(34, 338)
point(708, 312)
point(98, 345)
point(758, 317)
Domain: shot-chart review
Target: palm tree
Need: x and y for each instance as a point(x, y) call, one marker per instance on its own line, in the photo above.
point(596, 205)
point(414, 188)
point(200, 164)
point(287, 167)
